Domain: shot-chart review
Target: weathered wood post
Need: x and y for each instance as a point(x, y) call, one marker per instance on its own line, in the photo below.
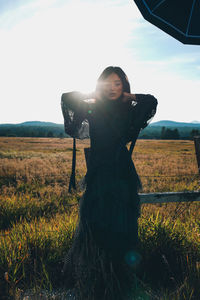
point(197, 150)
point(87, 155)
point(72, 182)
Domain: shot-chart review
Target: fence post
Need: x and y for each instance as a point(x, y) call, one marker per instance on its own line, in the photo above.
point(197, 150)
point(87, 155)
point(72, 181)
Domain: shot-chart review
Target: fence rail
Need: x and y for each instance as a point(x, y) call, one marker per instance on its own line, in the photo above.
point(153, 198)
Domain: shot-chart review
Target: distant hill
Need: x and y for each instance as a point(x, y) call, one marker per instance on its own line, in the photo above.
point(168, 123)
point(32, 123)
point(155, 130)
point(166, 129)
point(33, 129)
point(39, 123)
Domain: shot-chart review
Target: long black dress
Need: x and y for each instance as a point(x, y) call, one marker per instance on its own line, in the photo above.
point(109, 209)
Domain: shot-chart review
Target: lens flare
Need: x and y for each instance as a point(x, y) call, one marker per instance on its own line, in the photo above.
point(132, 258)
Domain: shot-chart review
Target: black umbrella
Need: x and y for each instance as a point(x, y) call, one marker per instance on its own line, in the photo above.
point(179, 18)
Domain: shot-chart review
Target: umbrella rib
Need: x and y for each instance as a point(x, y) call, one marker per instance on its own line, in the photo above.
point(151, 16)
point(164, 21)
point(190, 17)
point(158, 5)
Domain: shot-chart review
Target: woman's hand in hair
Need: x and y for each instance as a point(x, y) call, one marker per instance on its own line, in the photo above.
point(128, 97)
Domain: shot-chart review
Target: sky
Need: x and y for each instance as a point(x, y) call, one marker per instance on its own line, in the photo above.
point(49, 47)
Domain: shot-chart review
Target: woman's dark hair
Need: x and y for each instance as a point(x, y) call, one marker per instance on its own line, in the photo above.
point(117, 70)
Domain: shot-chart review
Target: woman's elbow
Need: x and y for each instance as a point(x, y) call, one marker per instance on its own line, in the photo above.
point(153, 100)
point(63, 97)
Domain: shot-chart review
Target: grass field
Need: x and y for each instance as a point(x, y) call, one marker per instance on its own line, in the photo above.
point(37, 220)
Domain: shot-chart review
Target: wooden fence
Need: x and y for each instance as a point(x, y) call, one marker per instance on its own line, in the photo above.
point(169, 197)
point(175, 196)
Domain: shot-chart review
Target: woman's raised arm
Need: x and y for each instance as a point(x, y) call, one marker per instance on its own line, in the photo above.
point(74, 100)
point(75, 112)
point(144, 109)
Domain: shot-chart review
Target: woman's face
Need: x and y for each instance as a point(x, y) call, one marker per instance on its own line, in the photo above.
point(112, 87)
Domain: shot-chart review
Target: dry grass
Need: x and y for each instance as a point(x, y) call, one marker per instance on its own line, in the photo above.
point(48, 160)
point(37, 225)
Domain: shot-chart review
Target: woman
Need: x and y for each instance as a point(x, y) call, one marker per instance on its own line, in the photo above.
point(109, 208)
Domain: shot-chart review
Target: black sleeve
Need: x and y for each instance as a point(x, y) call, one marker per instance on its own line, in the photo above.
point(144, 110)
point(75, 112)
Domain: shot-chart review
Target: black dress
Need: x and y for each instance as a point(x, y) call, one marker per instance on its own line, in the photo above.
point(110, 207)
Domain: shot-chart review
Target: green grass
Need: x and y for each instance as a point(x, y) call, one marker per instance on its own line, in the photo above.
point(37, 222)
point(31, 253)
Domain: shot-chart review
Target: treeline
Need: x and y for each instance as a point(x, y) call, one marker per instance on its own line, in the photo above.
point(164, 133)
point(151, 132)
point(32, 131)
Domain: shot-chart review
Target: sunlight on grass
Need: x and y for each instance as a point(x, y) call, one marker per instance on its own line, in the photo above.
point(38, 220)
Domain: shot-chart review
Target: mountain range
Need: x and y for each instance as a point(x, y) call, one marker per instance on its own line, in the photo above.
point(32, 123)
point(155, 130)
point(166, 123)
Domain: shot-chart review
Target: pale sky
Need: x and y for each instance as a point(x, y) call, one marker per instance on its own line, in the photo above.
point(53, 46)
